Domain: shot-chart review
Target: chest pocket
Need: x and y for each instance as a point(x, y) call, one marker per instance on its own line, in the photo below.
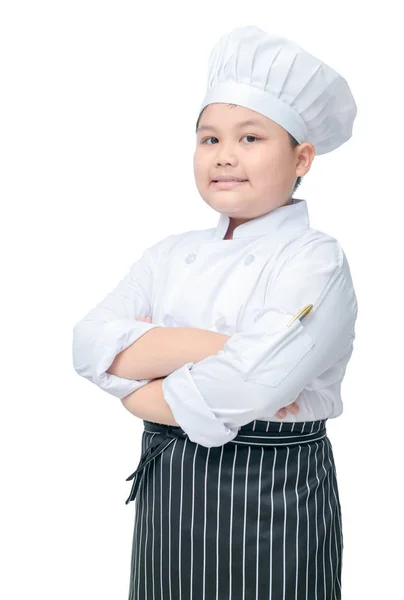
point(274, 357)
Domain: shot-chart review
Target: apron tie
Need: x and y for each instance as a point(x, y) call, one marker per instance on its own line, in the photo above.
point(166, 434)
point(160, 442)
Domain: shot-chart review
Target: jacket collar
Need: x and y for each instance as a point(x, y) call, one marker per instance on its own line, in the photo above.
point(289, 217)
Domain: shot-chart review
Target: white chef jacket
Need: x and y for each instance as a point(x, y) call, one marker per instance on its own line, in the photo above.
point(249, 288)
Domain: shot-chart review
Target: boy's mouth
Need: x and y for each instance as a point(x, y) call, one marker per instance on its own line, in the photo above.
point(224, 185)
point(228, 179)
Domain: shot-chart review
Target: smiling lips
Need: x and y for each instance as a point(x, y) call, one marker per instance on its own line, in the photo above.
point(226, 185)
point(228, 178)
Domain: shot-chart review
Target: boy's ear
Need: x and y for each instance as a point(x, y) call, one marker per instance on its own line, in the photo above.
point(305, 156)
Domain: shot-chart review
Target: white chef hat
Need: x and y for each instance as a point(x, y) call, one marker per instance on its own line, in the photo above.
point(277, 78)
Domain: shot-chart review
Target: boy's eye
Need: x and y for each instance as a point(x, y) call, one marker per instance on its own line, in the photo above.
point(215, 138)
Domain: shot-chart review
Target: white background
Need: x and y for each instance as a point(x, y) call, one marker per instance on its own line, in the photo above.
point(99, 102)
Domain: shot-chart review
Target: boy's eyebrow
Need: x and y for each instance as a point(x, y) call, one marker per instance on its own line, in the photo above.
point(236, 125)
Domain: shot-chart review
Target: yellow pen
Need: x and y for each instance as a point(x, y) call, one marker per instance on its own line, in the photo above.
point(301, 314)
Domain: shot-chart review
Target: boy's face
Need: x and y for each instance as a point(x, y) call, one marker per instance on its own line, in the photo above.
point(267, 160)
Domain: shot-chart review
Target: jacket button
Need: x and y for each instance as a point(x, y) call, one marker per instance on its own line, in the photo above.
point(249, 259)
point(190, 258)
point(168, 320)
point(221, 324)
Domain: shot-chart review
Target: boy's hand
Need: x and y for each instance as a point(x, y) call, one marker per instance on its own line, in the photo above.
point(292, 408)
point(147, 319)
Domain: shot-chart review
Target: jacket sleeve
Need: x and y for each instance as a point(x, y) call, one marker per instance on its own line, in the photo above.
point(111, 327)
point(265, 368)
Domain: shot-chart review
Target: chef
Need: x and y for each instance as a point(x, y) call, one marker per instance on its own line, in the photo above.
point(245, 318)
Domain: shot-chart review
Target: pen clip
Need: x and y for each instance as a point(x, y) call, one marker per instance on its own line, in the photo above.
point(301, 314)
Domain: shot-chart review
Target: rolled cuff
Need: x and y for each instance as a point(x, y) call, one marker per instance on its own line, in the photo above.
point(114, 337)
point(111, 338)
point(191, 411)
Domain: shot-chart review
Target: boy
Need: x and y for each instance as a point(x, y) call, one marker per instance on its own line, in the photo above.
point(233, 502)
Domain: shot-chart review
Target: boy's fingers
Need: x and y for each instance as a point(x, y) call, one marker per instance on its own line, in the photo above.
point(281, 413)
point(292, 408)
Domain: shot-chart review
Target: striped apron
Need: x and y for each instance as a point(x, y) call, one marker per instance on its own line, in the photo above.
point(257, 518)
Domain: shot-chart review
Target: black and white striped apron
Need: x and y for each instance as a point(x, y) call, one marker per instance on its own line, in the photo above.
point(258, 518)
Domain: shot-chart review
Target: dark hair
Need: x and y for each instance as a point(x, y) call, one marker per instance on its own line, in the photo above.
point(293, 143)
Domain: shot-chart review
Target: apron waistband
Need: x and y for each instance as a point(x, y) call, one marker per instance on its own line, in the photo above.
point(166, 434)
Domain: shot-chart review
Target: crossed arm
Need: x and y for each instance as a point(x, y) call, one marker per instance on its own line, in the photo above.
point(162, 350)
point(155, 355)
